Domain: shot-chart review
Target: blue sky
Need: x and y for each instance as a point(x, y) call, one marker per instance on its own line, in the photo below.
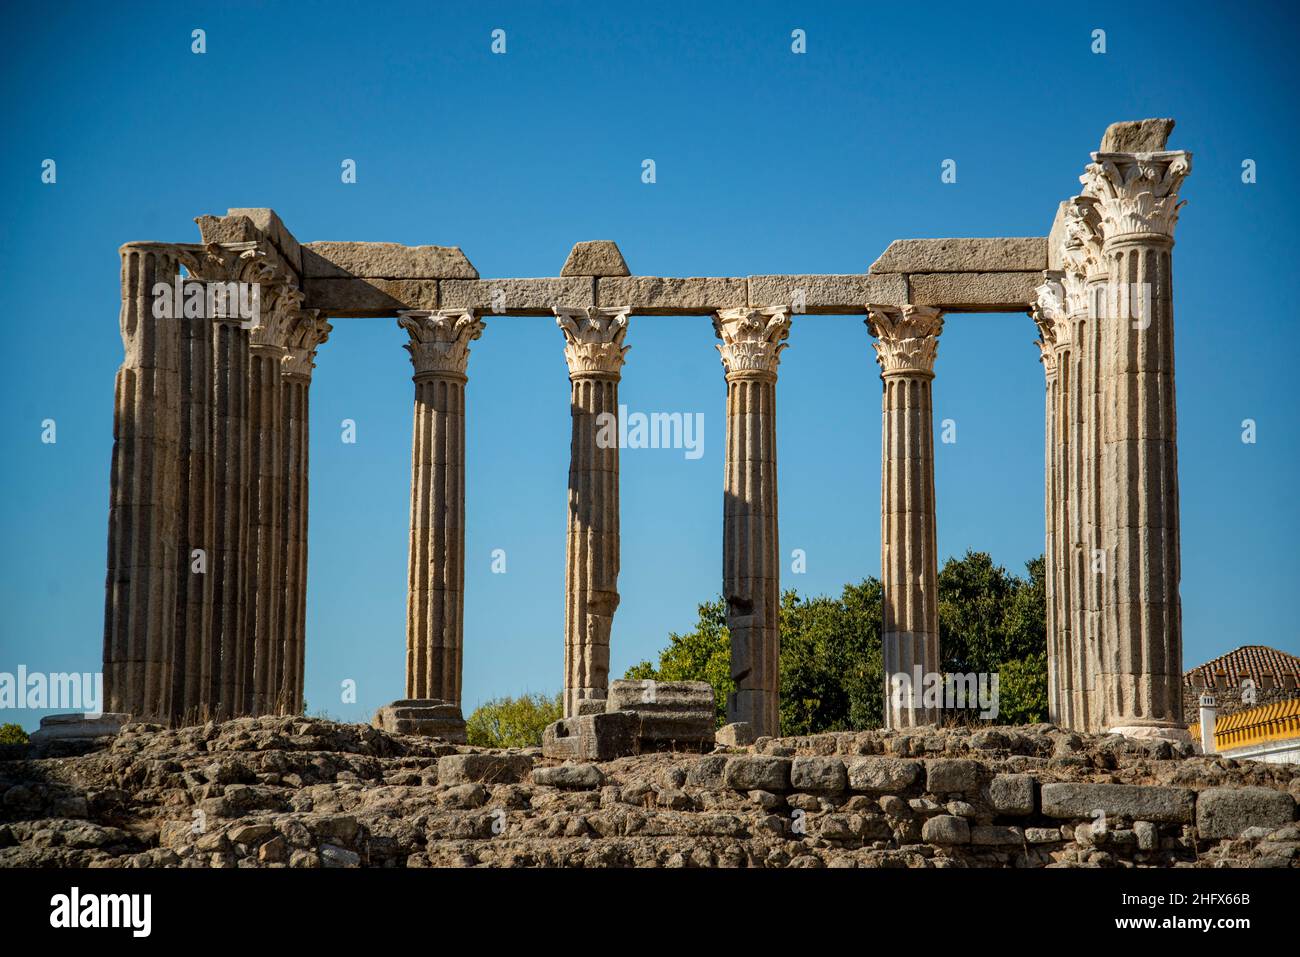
point(767, 162)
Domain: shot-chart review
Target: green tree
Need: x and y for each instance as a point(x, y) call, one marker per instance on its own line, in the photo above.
point(513, 722)
point(1022, 690)
point(11, 733)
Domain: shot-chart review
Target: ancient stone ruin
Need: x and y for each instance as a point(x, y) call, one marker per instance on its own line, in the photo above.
point(207, 529)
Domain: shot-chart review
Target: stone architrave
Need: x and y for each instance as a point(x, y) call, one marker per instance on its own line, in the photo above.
point(752, 342)
point(439, 348)
point(907, 342)
point(306, 332)
point(595, 355)
point(1141, 656)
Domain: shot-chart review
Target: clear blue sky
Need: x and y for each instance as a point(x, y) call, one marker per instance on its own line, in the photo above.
point(767, 161)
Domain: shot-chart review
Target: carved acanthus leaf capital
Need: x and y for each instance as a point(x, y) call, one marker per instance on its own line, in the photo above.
point(907, 338)
point(593, 338)
point(1049, 310)
point(1081, 252)
point(752, 338)
point(1047, 355)
point(440, 339)
point(307, 331)
point(1137, 192)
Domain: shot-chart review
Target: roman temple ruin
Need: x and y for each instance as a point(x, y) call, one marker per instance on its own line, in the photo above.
point(207, 540)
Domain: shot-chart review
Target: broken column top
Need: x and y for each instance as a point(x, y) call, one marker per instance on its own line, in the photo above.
point(1137, 136)
point(598, 257)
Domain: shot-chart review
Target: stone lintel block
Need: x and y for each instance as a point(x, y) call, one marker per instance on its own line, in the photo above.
point(654, 295)
point(592, 737)
point(974, 291)
point(599, 257)
point(273, 228)
point(1227, 811)
point(1012, 254)
point(1134, 802)
point(1137, 136)
point(484, 768)
point(385, 261)
point(362, 298)
point(520, 297)
point(828, 295)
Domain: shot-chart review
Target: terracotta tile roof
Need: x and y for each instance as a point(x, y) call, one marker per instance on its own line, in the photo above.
point(1248, 661)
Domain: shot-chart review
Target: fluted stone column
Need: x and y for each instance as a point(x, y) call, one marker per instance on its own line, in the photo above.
point(1047, 311)
point(307, 332)
point(1141, 661)
point(439, 348)
point(1083, 277)
point(595, 354)
point(752, 342)
point(907, 342)
point(144, 498)
point(264, 601)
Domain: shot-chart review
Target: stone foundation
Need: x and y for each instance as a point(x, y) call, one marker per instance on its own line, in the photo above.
point(302, 792)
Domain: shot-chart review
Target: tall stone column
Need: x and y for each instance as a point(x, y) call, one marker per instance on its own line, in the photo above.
point(264, 601)
point(1083, 277)
point(752, 342)
point(439, 348)
point(595, 354)
point(1141, 661)
point(144, 498)
point(907, 342)
point(1047, 312)
point(306, 333)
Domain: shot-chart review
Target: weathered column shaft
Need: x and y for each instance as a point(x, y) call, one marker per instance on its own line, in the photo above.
point(140, 599)
point(1141, 660)
point(265, 577)
point(192, 655)
point(595, 354)
point(907, 340)
point(306, 333)
point(439, 347)
point(1054, 353)
point(752, 342)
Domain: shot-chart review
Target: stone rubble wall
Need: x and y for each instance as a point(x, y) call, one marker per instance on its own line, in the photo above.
point(304, 792)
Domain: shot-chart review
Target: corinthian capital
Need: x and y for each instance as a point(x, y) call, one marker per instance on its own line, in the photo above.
point(1081, 251)
point(907, 338)
point(307, 330)
point(752, 338)
point(1049, 310)
point(593, 339)
point(1137, 192)
point(440, 339)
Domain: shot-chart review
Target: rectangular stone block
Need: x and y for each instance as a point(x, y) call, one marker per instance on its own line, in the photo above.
point(818, 774)
point(652, 295)
point(1227, 811)
point(484, 768)
point(351, 298)
point(520, 297)
point(1135, 802)
point(1012, 254)
point(883, 775)
point(1012, 794)
point(273, 228)
point(384, 261)
point(592, 737)
point(951, 775)
point(828, 295)
point(996, 836)
point(975, 291)
point(757, 773)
